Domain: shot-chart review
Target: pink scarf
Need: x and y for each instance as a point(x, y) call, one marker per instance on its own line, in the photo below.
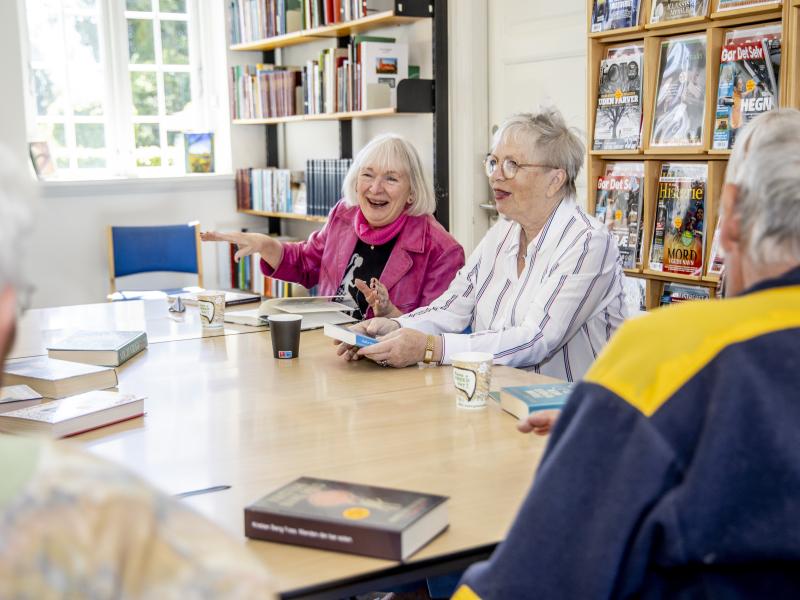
point(376, 236)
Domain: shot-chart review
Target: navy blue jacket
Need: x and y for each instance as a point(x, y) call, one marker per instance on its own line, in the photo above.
point(674, 470)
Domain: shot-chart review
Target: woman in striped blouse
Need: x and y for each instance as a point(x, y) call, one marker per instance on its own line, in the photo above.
point(543, 290)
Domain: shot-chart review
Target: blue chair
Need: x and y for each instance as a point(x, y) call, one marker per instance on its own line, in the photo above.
point(171, 248)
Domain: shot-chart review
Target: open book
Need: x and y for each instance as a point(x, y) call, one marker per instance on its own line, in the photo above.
point(316, 311)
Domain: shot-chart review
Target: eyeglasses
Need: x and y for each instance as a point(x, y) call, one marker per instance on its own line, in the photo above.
point(508, 167)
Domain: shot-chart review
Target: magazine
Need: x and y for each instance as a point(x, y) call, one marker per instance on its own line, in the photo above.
point(734, 4)
point(678, 231)
point(772, 35)
point(670, 10)
point(614, 14)
point(747, 88)
point(619, 207)
point(618, 121)
point(680, 93)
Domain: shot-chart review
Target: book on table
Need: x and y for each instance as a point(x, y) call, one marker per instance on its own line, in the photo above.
point(105, 348)
point(13, 397)
point(73, 415)
point(522, 400)
point(232, 297)
point(317, 311)
point(54, 378)
point(347, 517)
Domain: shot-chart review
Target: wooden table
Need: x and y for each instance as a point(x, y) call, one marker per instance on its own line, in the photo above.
point(40, 327)
point(221, 411)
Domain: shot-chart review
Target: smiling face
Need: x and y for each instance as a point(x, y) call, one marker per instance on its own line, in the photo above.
point(383, 193)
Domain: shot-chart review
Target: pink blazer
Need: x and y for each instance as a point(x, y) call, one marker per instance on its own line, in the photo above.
point(422, 264)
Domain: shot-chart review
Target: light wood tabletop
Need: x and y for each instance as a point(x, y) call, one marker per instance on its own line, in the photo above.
point(222, 411)
point(40, 327)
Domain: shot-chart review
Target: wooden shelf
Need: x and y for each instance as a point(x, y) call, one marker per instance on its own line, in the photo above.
point(677, 278)
point(711, 279)
point(340, 116)
point(626, 153)
point(761, 11)
point(676, 150)
point(280, 215)
point(623, 33)
point(637, 272)
point(383, 19)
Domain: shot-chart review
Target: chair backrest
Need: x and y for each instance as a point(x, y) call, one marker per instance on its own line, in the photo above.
point(173, 248)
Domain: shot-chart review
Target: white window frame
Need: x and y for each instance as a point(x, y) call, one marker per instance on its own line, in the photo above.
point(209, 93)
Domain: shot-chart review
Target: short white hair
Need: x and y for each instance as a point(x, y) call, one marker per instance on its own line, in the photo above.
point(16, 219)
point(765, 166)
point(547, 135)
point(391, 152)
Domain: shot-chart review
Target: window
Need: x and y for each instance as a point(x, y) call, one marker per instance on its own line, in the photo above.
point(113, 84)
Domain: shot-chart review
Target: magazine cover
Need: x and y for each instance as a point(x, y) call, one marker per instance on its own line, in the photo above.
point(627, 51)
point(679, 225)
point(618, 121)
point(746, 89)
point(734, 4)
point(771, 34)
point(680, 94)
point(614, 14)
point(670, 10)
point(675, 293)
point(619, 206)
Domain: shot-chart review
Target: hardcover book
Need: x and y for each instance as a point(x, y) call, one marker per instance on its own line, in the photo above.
point(105, 348)
point(619, 206)
point(348, 337)
point(670, 10)
point(618, 120)
point(614, 14)
point(522, 400)
point(54, 378)
point(747, 88)
point(680, 93)
point(73, 415)
point(346, 517)
point(383, 66)
point(678, 232)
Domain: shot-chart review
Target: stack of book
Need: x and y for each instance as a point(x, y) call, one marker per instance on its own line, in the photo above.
point(324, 178)
point(269, 190)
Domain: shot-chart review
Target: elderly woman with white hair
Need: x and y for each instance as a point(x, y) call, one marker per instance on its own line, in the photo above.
point(543, 289)
point(382, 232)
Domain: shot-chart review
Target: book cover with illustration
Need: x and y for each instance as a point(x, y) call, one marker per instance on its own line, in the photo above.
point(618, 120)
point(614, 14)
point(678, 231)
point(670, 10)
point(199, 152)
point(680, 94)
point(619, 206)
point(347, 517)
point(747, 87)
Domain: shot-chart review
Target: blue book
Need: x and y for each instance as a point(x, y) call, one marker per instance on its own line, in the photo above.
point(347, 336)
point(522, 400)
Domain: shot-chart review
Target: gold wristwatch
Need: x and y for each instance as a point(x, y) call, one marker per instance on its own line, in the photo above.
point(429, 345)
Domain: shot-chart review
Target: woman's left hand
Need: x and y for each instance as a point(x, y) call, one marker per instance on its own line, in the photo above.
point(400, 348)
point(378, 298)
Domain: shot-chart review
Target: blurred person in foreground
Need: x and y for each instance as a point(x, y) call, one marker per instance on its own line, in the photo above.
point(674, 469)
point(543, 289)
point(75, 526)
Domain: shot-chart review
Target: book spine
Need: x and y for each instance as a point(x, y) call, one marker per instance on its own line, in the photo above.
point(136, 346)
point(320, 534)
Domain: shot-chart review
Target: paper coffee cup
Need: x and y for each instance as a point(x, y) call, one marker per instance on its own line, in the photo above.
point(212, 309)
point(472, 376)
point(285, 332)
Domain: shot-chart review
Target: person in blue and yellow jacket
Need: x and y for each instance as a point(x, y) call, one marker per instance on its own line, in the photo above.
point(674, 469)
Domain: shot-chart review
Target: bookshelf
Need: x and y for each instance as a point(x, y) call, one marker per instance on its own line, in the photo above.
point(414, 96)
point(713, 27)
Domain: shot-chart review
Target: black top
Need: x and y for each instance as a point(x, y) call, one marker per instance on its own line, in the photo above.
point(366, 262)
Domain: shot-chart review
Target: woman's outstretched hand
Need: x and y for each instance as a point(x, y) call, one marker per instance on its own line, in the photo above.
point(249, 243)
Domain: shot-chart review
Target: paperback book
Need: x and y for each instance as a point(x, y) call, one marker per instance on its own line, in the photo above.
point(680, 93)
point(347, 336)
point(614, 14)
point(678, 231)
point(54, 378)
point(13, 397)
point(675, 293)
point(747, 88)
point(619, 206)
point(670, 10)
point(618, 120)
point(105, 348)
point(335, 515)
point(522, 400)
point(73, 415)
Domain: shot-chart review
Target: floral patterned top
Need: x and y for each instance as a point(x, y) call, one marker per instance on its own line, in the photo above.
point(75, 526)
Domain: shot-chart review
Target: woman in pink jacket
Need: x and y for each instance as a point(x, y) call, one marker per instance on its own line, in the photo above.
point(381, 232)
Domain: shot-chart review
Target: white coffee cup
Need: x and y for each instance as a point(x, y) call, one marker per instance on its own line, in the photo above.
point(472, 376)
point(212, 309)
